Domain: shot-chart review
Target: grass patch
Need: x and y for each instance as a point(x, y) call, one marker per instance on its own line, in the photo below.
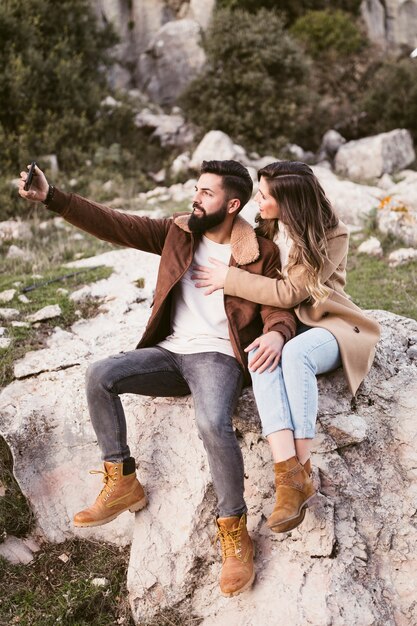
point(373, 284)
point(33, 337)
point(16, 517)
point(49, 591)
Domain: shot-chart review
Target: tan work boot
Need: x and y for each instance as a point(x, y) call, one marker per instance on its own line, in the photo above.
point(238, 572)
point(121, 492)
point(294, 493)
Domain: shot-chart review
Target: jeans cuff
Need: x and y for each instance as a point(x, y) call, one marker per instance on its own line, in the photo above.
point(271, 430)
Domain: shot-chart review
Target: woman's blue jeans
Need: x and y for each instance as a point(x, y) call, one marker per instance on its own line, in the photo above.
point(287, 398)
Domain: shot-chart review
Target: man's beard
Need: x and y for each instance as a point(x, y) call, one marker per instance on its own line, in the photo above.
point(201, 224)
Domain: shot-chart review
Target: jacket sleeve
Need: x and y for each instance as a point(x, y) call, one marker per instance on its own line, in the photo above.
point(274, 318)
point(110, 225)
point(291, 290)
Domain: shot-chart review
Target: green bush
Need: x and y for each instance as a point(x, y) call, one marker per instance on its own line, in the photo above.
point(255, 81)
point(390, 99)
point(53, 57)
point(328, 34)
point(292, 9)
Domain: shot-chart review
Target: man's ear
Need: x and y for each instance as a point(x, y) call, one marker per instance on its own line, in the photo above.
point(233, 206)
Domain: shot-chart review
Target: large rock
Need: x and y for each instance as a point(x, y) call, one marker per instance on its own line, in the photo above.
point(391, 22)
point(174, 57)
point(352, 202)
point(138, 23)
point(170, 130)
point(352, 560)
point(14, 229)
point(201, 11)
point(371, 157)
point(397, 212)
point(219, 146)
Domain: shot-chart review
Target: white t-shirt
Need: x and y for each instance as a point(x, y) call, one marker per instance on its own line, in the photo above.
point(284, 243)
point(199, 322)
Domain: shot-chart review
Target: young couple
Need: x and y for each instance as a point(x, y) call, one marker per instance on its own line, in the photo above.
point(283, 303)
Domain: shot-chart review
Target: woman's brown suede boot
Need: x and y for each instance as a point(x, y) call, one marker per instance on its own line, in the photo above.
point(294, 493)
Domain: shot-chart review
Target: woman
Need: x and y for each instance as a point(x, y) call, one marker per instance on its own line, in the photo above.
point(313, 245)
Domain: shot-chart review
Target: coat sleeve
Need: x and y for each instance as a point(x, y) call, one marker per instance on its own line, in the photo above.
point(275, 318)
point(290, 291)
point(110, 225)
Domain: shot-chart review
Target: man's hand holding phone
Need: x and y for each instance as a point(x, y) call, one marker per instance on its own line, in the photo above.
point(33, 184)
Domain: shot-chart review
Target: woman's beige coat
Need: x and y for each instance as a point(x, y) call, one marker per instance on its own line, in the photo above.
point(356, 334)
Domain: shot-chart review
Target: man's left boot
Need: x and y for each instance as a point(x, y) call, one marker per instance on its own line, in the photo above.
point(238, 572)
point(294, 493)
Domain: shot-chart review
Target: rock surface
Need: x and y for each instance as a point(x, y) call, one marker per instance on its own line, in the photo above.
point(173, 58)
point(371, 157)
point(391, 22)
point(354, 554)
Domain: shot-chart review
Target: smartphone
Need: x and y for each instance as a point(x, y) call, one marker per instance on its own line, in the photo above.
point(31, 173)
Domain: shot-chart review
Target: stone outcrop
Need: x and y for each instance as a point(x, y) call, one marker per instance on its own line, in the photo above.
point(354, 555)
point(138, 23)
point(397, 211)
point(159, 48)
point(173, 58)
point(391, 22)
point(371, 157)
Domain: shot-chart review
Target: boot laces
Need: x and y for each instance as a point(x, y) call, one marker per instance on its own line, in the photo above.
point(230, 541)
point(109, 481)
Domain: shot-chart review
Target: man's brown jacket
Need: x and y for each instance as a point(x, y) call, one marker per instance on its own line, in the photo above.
point(173, 241)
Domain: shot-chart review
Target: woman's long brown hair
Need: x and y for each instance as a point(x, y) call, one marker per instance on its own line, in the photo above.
point(307, 215)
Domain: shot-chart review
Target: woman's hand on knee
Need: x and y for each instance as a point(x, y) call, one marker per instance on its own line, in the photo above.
point(268, 353)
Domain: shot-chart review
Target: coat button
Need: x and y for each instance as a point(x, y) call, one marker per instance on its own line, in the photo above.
point(356, 329)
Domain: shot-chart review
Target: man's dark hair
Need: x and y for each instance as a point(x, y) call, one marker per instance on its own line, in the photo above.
point(237, 182)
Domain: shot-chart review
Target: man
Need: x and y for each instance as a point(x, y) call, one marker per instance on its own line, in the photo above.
point(192, 344)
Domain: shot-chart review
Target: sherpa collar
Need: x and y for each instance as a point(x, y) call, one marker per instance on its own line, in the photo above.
point(245, 247)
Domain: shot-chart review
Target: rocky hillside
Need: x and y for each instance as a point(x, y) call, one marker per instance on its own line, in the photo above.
point(160, 39)
point(351, 561)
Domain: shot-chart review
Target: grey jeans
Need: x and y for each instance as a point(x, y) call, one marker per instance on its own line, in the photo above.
point(215, 382)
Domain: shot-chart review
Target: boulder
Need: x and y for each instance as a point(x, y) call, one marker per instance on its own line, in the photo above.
point(330, 144)
point(14, 252)
point(397, 211)
point(371, 157)
point(402, 256)
point(7, 295)
point(14, 229)
point(201, 11)
point(46, 313)
point(352, 202)
point(217, 145)
point(371, 246)
point(391, 23)
point(174, 57)
point(8, 313)
point(170, 130)
point(354, 554)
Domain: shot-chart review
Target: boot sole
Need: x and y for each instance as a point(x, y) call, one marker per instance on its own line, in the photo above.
point(246, 586)
point(133, 508)
point(242, 589)
point(311, 501)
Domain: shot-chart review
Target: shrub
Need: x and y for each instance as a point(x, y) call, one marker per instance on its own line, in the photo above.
point(292, 9)
point(53, 57)
point(390, 100)
point(328, 34)
point(252, 84)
